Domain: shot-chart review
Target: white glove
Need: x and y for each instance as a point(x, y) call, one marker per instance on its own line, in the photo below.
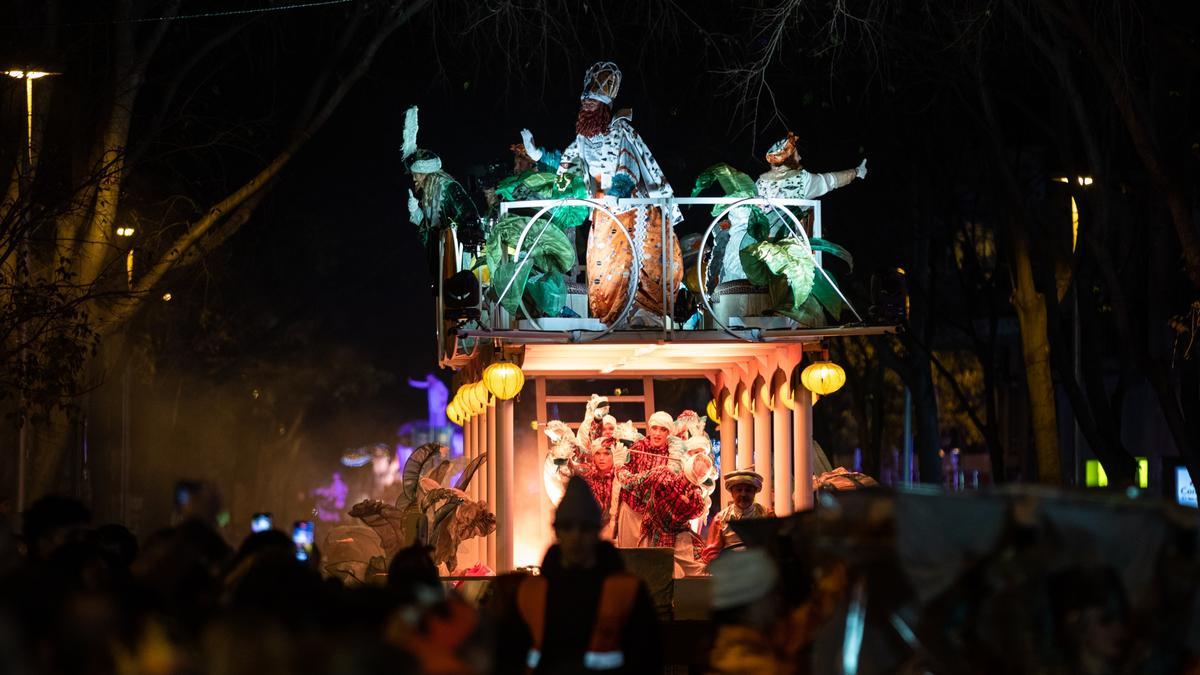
point(414, 209)
point(534, 152)
point(860, 171)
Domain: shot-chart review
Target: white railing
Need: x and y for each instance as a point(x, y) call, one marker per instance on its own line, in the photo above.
point(609, 208)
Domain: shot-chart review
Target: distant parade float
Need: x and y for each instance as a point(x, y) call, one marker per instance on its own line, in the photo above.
point(579, 269)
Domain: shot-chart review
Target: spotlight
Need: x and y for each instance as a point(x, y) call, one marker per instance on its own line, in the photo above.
point(460, 296)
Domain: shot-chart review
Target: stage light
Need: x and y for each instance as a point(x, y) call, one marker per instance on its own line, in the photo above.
point(823, 377)
point(166, 297)
point(504, 379)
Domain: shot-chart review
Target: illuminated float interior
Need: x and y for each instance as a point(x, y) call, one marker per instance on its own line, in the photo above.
point(514, 368)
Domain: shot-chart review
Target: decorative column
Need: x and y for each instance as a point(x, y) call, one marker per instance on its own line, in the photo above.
point(762, 451)
point(504, 486)
point(745, 437)
point(782, 442)
point(802, 447)
point(490, 445)
point(470, 439)
point(728, 429)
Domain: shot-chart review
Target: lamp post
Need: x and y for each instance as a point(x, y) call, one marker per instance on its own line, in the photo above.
point(23, 191)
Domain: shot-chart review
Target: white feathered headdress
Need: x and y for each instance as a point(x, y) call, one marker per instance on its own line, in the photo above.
point(417, 160)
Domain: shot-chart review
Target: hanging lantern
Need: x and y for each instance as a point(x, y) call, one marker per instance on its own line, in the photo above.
point(823, 377)
point(474, 397)
point(783, 389)
point(454, 413)
point(504, 379)
point(713, 411)
point(485, 396)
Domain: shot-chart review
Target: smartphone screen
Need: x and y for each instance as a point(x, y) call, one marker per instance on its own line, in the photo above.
point(260, 522)
point(302, 536)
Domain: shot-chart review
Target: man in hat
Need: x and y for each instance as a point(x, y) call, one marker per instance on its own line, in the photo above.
point(616, 163)
point(786, 179)
point(440, 203)
point(743, 486)
point(584, 612)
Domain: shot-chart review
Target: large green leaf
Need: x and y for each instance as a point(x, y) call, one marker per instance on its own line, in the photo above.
point(547, 293)
point(825, 246)
point(547, 185)
point(547, 254)
point(503, 278)
point(824, 293)
point(790, 258)
point(733, 182)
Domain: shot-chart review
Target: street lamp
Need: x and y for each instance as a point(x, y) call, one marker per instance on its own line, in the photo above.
point(29, 75)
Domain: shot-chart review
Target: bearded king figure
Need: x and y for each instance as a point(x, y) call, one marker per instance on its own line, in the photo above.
point(616, 163)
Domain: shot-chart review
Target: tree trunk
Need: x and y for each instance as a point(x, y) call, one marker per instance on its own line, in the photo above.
point(1035, 347)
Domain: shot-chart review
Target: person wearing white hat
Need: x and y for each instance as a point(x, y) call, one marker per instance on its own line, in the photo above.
point(742, 486)
point(440, 202)
point(644, 455)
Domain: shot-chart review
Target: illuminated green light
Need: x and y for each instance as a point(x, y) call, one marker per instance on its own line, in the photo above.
point(1094, 474)
point(1143, 472)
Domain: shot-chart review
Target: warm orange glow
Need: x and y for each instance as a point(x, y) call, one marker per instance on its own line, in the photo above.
point(504, 379)
point(728, 403)
point(823, 377)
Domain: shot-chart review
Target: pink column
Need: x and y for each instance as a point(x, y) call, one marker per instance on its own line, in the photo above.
point(762, 452)
point(504, 486)
point(728, 430)
point(802, 441)
point(782, 418)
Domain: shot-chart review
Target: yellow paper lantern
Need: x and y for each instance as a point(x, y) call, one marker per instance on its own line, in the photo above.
point(713, 411)
point(823, 377)
point(504, 379)
point(454, 413)
point(474, 397)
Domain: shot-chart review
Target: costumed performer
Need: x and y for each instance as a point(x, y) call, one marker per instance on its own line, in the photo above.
point(644, 455)
point(441, 203)
point(592, 426)
point(742, 486)
point(616, 163)
point(786, 179)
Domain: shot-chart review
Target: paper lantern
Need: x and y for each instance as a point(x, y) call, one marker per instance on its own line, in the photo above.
point(504, 379)
point(713, 411)
point(823, 377)
point(454, 413)
point(474, 397)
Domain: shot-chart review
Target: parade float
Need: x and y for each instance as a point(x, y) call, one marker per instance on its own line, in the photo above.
point(575, 273)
